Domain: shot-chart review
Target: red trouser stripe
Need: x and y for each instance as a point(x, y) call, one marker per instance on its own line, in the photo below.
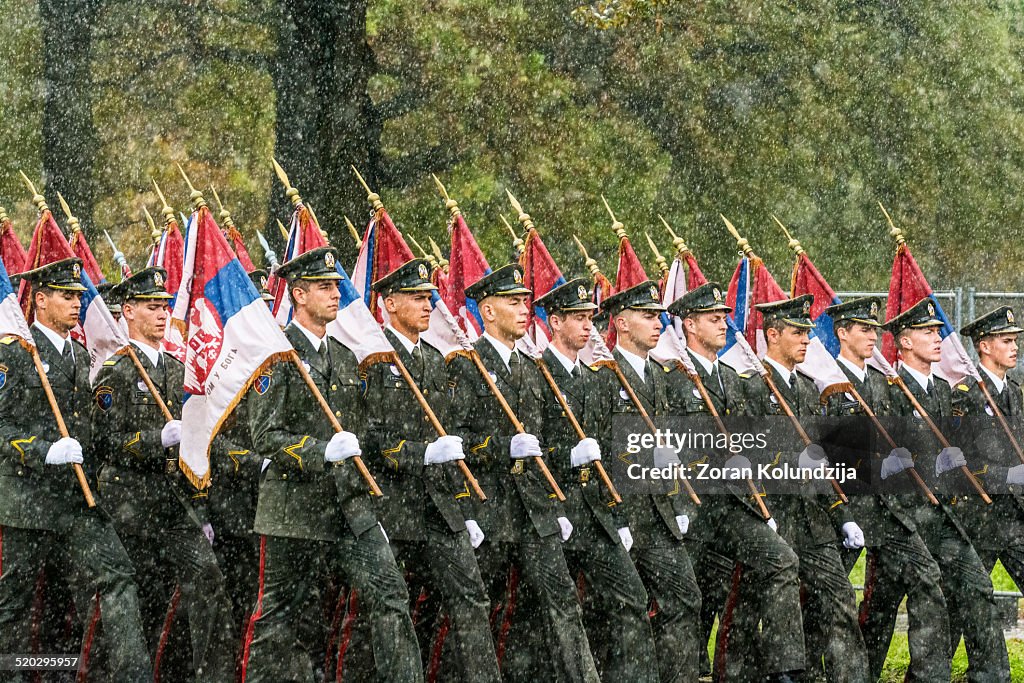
point(870, 578)
point(725, 620)
point(165, 632)
point(435, 653)
point(258, 611)
point(90, 636)
point(346, 631)
point(332, 638)
point(510, 610)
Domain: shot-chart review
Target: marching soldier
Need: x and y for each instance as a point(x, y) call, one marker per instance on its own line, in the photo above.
point(601, 539)
point(260, 280)
point(729, 526)
point(105, 290)
point(898, 561)
point(144, 490)
point(42, 513)
point(809, 518)
point(314, 507)
point(658, 521)
point(432, 541)
point(524, 526)
point(965, 582)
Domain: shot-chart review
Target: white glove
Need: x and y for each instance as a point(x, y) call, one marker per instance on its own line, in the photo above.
point(443, 449)
point(949, 459)
point(342, 446)
point(523, 446)
point(476, 534)
point(684, 523)
point(170, 435)
point(265, 465)
point(566, 526)
point(208, 532)
point(585, 452)
point(813, 457)
point(899, 459)
point(1015, 475)
point(626, 537)
point(772, 524)
point(734, 464)
point(853, 536)
point(664, 456)
point(384, 533)
point(64, 452)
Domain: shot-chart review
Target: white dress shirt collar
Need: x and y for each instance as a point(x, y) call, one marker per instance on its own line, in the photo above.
point(638, 364)
point(569, 365)
point(708, 365)
point(58, 342)
point(859, 373)
point(152, 354)
point(996, 382)
point(923, 380)
point(504, 351)
point(783, 373)
point(314, 340)
point(406, 342)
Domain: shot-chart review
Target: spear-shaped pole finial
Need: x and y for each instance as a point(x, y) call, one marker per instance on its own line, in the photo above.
point(794, 244)
point(166, 210)
point(423, 252)
point(449, 203)
point(741, 242)
point(662, 265)
point(677, 241)
point(194, 195)
point(289, 191)
point(119, 258)
point(441, 260)
point(523, 217)
point(284, 233)
point(268, 253)
point(154, 232)
point(225, 216)
point(371, 196)
point(517, 242)
point(895, 232)
point(590, 263)
point(73, 222)
point(355, 233)
point(617, 226)
point(3, 218)
point(37, 199)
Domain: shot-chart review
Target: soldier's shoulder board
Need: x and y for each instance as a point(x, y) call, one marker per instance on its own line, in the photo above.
point(963, 387)
point(9, 339)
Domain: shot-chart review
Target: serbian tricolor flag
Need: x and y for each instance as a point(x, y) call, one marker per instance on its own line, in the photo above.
point(12, 320)
point(908, 286)
point(97, 329)
point(12, 252)
point(80, 246)
point(467, 264)
point(383, 250)
point(541, 275)
point(230, 335)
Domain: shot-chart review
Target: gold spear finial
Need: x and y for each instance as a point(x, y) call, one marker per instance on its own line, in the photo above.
point(590, 263)
point(37, 199)
point(794, 244)
point(316, 221)
point(618, 227)
point(516, 241)
point(449, 203)
point(895, 232)
point(424, 253)
point(154, 232)
point(166, 210)
point(284, 233)
point(355, 233)
point(441, 260)
point(677, 241)
point(194, 195)
point(523, 217)
point(73, 222)
point(289, 191)
point(741, 242)
point(225, 217)
point(662, 265)
point(371, 196)
point(3, 216)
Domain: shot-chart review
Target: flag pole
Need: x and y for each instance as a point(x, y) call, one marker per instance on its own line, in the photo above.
point(62, 427)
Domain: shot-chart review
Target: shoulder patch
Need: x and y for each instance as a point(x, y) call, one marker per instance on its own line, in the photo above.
point(3, 376)
point(963, 387)
point(104, 397)
point(261, 383)
point(9, 339)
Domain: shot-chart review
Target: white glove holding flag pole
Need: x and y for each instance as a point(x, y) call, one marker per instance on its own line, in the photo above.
point(949, 458)
point(626, 537)
point(342, 446)
point(665, 456)
point(170, 435)
point(476, 534)
point(1015, 475)
point(684, 523)
point(813, 457)
point(443, 449)
point(772, 524)
point(524, 446)
point(64, 452)
point(734, 465)
point(565, 527)
point(585, 452)
point(899, 459)
point(853, 536)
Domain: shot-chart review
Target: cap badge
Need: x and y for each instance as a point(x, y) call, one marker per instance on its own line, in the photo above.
point(76, 270)
point(1009, 316)
point(422, 271)
point(654, 293)
point(581, 292)
point(931, 309)
point(158, 279)
point(717, 293)
point(517, 276)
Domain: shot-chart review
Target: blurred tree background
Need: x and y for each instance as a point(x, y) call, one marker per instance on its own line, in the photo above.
point(810, 111)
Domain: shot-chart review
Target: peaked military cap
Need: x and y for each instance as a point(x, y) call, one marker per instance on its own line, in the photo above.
point(65, 275)
point(106, 290)
point(863, 310)
point(999, 321)
point(315, 264)
point(411, 276)
point(260, 279)
point(641, 297)
point(573, 295)
point(795, 312)
point(145, 284)
point(504, 281)
point(921, 314)
point(704, 299)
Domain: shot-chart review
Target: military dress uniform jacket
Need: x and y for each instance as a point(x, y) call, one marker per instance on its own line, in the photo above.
point(32, 494)
point(302, 495)
point(416, 496)
point(139, 479)
point(588, 504)
point(518, 495)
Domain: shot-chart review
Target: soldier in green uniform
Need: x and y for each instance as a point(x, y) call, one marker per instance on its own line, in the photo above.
point(143, 489)
point(811, 519)
point(314, 506)
point(619, 628)
point(105, 290)
point(729, 527)
point(432, 541)
point(42, 512)
point(523, 523)
point(898, 561)
point(658, 521)
point(965, 582)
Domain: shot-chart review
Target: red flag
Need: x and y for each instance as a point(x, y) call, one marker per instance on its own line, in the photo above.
point(467, 264)
point(303, 235)
point(12, 253)
point(629, 272)
point(48, 245)
point(383, 250)
point(540, 274)
point(82, 251)
point(235, 239)
point(694, 278)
